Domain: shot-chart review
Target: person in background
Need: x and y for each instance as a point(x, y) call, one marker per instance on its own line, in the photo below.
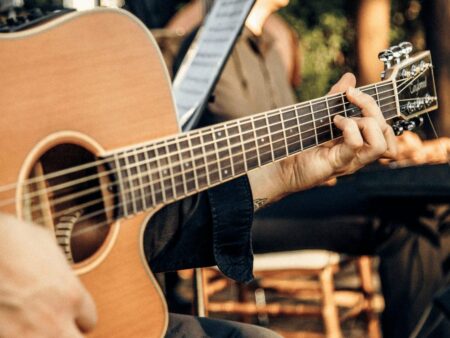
point(255, 79)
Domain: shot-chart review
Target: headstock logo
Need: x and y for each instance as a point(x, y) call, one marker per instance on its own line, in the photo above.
point(418, 86)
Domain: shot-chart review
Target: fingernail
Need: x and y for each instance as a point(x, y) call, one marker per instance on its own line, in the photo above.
point(338, 118)
point(351, 91)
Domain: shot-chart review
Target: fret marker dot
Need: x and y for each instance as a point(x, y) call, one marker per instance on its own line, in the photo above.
point(262, 140)
point(219, 133)
point(165, 171)
point(321, 121)
point(225, 171)
point(186, 165)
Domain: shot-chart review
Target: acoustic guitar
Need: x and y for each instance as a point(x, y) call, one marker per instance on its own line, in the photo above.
point(90, 147)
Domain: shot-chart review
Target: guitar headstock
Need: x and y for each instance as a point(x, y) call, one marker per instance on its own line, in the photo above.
point(413, 80)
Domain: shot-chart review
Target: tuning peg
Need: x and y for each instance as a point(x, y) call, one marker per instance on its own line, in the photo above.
point(406, 48)
point(386, 57)
point(397, 53)
point(397, 127)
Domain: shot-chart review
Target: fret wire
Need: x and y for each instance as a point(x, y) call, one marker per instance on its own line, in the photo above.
point(229, 149)
point(161, 176)
point(130, 191)
point(180, 156)
point(314, 121)
point(150, 180)
point(244, 153)
point(194, 166)
point(378, 95)
point(121, 186)
point(329, 118)
point(284, 131)
point(256, 141)
point(297, 117)
point(269, 134)
point(216, 147)
point(343, 104)
point(101, 200)
point(205, 158)
point(170, 168)
point(141, 182)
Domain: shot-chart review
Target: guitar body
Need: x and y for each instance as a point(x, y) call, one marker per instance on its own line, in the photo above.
point(95, 80)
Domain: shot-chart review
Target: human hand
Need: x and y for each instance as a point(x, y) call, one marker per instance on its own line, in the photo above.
point(39, 294)
point(364, 140)
point(413, 151)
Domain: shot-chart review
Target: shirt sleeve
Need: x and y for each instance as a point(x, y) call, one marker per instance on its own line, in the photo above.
point(210, 228)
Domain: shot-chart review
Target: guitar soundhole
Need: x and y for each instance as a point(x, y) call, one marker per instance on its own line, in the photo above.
point(68, 194)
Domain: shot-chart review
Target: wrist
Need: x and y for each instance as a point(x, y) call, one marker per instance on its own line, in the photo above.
point(267, 186)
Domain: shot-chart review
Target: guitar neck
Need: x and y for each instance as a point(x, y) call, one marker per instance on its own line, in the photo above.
point(172, 168)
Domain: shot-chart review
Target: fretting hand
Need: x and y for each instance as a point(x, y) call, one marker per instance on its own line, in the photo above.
point(364, 140)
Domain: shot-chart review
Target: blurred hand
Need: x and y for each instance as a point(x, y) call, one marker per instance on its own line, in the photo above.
point(39, 294)
point(365, 139)
point(413, 151)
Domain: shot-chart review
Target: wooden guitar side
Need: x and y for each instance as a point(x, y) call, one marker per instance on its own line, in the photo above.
point(95, 77)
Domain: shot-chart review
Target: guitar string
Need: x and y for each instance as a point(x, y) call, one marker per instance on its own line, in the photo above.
point(208, 129)
point(133, 189)
point(282, 123)
point(165, 157)
point(173, 166)
point(272, 153)
point(166, 201)
point(80, 232)
point(232, 163)
point(296, 106)
point(178, 153)
point(170, 165)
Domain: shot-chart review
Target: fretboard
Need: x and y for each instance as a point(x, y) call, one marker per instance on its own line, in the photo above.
point(172, 168)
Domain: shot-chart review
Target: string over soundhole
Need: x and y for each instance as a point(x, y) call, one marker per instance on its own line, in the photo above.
point(67, 191)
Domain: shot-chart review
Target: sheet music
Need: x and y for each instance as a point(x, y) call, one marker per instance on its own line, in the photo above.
point(204, 62)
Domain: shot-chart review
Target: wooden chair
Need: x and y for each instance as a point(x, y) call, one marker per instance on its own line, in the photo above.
point(306, 276)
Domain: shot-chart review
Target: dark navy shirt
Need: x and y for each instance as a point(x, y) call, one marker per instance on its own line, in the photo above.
point(210, 228)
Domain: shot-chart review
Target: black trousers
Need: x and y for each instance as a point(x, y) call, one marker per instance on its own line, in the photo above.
point(184, 326)
point(352, 218)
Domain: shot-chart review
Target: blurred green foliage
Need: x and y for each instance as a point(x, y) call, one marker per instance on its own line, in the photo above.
point(327, 38)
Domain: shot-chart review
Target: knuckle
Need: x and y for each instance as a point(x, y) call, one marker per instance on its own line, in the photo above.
point(379, 148)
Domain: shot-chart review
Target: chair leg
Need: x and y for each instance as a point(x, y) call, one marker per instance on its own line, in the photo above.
point(201, 293)
point(364, 265)
point(329, 309)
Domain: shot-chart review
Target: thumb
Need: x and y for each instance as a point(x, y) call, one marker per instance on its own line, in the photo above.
point(86, 316)
point(347, 80)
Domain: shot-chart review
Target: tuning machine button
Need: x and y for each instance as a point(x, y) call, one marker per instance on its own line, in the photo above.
point(397, 127)
point(396, 53)
point(411, 107)
point(405, 74)
point(386, 57)
point(406, 48)
point(428, 100)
